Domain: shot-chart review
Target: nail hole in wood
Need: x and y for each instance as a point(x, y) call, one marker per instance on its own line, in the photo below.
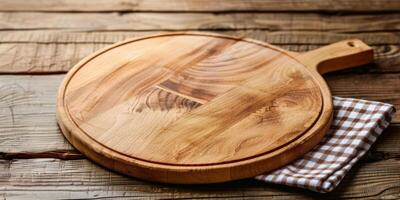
point(351, 43)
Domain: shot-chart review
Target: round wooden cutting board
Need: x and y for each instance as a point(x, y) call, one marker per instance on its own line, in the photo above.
point(200, 107)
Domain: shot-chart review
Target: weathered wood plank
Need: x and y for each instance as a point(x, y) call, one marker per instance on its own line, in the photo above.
point(42, 58)
point(32, 58)
point(70, 154)
point(27, 114)
point(199, 21)
point(28, 123)
point(57, 179)
point(201, 6)
point(385, 148)
point(273, 37)
point(54, 51)
point(366, 86)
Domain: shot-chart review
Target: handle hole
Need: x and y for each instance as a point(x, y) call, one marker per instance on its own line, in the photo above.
point(351, 43)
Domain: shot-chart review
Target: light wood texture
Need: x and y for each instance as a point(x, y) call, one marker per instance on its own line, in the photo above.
point(81, 179)
point(338, 56)
point(215, 109)
point(199, 21)
point(201, 6)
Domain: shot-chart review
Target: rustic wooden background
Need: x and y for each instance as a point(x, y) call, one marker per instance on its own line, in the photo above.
point(41, 40)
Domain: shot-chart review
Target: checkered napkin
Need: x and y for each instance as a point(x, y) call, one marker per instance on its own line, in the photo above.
point(355, 127)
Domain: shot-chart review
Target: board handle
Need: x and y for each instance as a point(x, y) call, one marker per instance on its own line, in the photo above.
point(341, 55)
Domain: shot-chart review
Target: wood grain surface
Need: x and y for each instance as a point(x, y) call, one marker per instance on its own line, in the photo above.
point(217, 108)
point(202, 6)
point(28, 57)
point(198, 21)
point(77, 179)
point(45, 52)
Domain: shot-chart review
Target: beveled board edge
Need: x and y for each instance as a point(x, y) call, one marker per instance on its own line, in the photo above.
point(193, 174)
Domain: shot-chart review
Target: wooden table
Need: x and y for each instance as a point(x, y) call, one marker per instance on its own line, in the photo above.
point(41, 40)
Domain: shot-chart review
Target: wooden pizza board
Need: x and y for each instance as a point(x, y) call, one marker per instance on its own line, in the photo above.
point(200, 107)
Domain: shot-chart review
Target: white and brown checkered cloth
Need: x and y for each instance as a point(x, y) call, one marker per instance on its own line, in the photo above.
point(355, 127)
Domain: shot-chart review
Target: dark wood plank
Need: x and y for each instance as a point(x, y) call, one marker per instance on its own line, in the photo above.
point(200, 21)
point(386, 146)
point(202, 6)
point(54, 51)
point(366, 86)
point(28, 123)
point(58, 179)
